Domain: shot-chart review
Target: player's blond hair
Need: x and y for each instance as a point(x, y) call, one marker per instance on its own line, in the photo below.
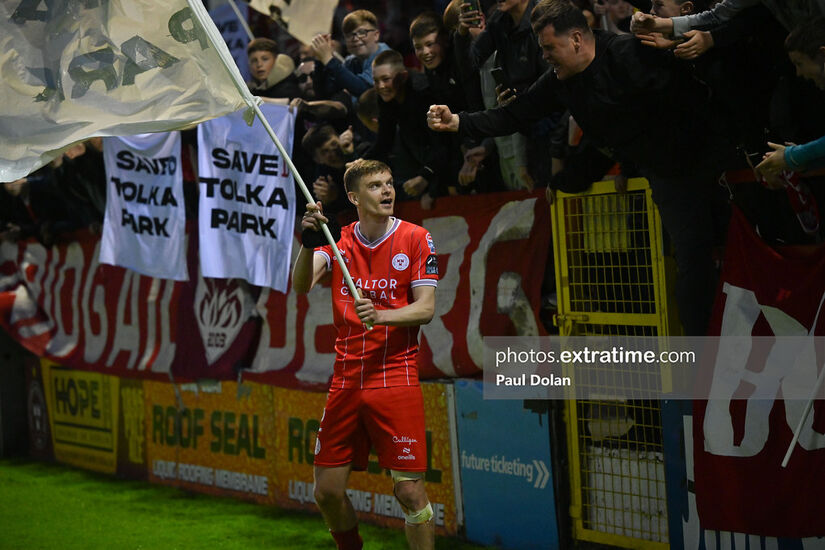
point(360, 169)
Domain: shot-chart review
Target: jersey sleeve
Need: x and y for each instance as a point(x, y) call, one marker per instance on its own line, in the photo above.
point(425, 262)
point(326, 253)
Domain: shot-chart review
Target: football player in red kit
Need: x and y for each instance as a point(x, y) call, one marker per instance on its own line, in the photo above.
point(374, 397)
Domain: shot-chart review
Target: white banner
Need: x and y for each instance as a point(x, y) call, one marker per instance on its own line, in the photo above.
point(233, 33)
point(247, 199)
point(145, 224)
point(71, 70)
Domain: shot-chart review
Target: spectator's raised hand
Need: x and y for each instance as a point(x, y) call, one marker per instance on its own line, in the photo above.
point(346, 139)
point(773, 162)
point(322, 48)
point(415, 186)
point(504, 95)
point(473, 160)
point(526, 179)
point(645, 23)
point(297, 105)
point(325, 189)
point(440, 119)
point(657, 40)
point(696, 43)
point(468, 20)
point(467, 174)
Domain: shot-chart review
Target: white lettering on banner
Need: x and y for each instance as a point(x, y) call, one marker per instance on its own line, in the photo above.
point(276, 358)
point(361, 500)
point(452, 235)
point(71, 293)
point(512, 301)
point(205, 475)
point(221, 310)
point(61, 343)
point(247, 205)
point(127, 335)
point(692, 532)
point(317, 366)
point(166, 353)
point(149, 335)
point(95, 303)
point(739, 317)
point(301, 491)
point(241, 482)
point(513, 222)
point(9, 250)
point(164, 469)
point(25, 307)
point(145, 218)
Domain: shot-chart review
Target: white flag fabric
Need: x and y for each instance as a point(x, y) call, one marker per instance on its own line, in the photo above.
point(70, 70)
point(247, 199)
point(145, 224)
point(234, 34)
point(303, 19)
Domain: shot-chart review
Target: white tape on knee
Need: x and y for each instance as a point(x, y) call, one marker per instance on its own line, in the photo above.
point(422, 516)
point(398, 476)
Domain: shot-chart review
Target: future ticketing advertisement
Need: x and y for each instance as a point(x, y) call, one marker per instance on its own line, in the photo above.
point(217, 438)
point(297, 417)
point(514, 472)
point(83, 414)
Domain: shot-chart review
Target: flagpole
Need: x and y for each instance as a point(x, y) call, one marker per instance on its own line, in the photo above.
point(217, 42)
point(809, 405)
point(241, 18)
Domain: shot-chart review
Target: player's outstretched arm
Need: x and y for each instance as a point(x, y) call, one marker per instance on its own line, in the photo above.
point(419, 312)
point(309, 267)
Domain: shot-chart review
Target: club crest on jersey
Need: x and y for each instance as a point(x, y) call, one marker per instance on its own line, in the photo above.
point(430, 243)
point(400, 261)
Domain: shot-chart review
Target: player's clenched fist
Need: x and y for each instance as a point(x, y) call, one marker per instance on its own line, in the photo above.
point(313, 216)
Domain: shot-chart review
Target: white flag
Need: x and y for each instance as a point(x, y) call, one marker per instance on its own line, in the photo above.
point(145, 224)
point(234, 34)
point(303, 19)
point(70, 70)
point(247, 199)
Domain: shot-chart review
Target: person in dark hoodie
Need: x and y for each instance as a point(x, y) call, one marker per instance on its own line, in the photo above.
point(402, 98)
point(458, 89)
point(272, 71)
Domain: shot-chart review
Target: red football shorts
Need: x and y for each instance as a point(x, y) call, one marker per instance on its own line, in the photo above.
point(389, 419)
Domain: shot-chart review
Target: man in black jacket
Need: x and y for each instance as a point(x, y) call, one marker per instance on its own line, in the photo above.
point(402, 97)
point(641, 107)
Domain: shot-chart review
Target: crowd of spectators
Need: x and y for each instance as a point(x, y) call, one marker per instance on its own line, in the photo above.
point(688, 93)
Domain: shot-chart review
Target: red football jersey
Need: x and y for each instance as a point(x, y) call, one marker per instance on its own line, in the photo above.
point(387, 270)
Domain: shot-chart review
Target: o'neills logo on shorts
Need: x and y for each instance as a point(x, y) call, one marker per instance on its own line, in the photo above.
point(406, 457)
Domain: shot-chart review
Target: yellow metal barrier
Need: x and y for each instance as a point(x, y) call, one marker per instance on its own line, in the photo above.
point(611, 280)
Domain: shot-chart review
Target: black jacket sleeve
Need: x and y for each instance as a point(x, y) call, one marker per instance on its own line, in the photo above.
point(536, 103)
